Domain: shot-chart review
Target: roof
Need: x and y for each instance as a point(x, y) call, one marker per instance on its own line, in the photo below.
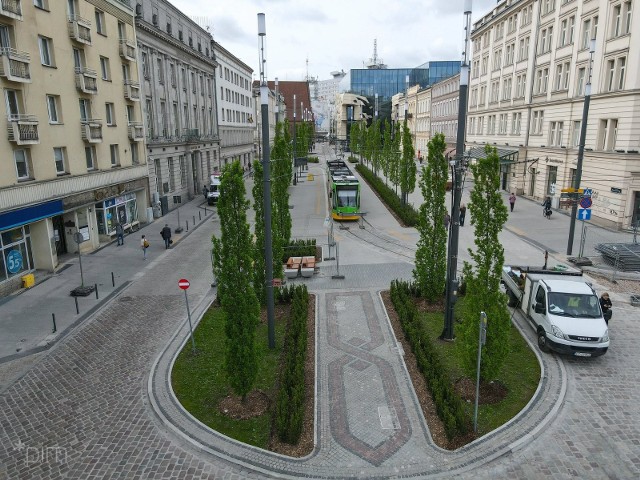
point(288, 89)
point(507, 155)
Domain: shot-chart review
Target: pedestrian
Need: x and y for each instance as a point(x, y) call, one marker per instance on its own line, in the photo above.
point(605, 303)
point(120, 233)
point(512, 200)
point(204, 191)
point(463, 213)
point(546, 208)
point(447, 220)
point(144, 244)
point(166, 235)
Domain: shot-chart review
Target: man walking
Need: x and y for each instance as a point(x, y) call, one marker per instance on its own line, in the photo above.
point(166, 235)
point(120, 233)
point(512, 200)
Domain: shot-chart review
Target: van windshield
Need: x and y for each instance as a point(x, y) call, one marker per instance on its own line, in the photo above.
point(574, 305)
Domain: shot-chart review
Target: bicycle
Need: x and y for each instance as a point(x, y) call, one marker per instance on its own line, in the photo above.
point(547, 212)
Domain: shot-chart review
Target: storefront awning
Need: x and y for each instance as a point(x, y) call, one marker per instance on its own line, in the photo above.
point(507, 155)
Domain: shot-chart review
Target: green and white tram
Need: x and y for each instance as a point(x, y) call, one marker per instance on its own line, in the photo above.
point(344, 191)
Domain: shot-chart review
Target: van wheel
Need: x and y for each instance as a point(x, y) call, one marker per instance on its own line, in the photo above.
point(512, 299)
point(542, 341)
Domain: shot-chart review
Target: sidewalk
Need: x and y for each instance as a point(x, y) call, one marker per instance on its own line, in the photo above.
point(26, 318)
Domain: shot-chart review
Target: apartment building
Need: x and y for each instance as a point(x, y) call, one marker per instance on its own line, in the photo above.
point(529, 71)
point(177, 68)
point(272, 103)
point(71, 162)
point(236, 112)
point(349, 109)
point(423, 121)
point(445, 97)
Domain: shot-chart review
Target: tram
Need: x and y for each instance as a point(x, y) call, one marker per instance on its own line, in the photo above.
point(344, 191)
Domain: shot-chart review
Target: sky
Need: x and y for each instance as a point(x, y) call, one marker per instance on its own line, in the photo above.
point(335, 34)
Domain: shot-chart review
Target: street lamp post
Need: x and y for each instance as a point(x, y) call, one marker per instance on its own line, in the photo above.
point(583, 134)
point(268, 253)
point(277, 102)
point(295, 152)
point(458, 166)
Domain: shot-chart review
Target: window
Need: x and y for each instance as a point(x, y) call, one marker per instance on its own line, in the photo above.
point(21, 158)
point(555, 134)
point(134, 153)
point(485, 64)
point(537, 120)
point(566, 31)
point(526, 15)
point(59, 158)
point(160, 72)
point(42, 4)
point(589, 31)
point(105, 68)
point(615, 73)
point(562, 76)
point(110, 118)
point(172, 70)
point(616, 21)
point(508, 54)
point(582, 72)
point(491, 125)
point(53, 103)
point(521, 83)
point(483, 94)
point(497, 59)
point(184, 79)
point(515, 123)
point(145, 65)
point(548, 6)
point(575, 136)
point(506, 88)
point(172, 180)
point(193, 82)
point(183, 171)
point(607, 134)
point(512, 23)
point(495, 90)
point(46, 51)
point(502, 125)
point(542, 79)
point(100, 24)
point(115, 155)
point(626, 18)
point(546, 40)
point(523, 48)
point(90, 157)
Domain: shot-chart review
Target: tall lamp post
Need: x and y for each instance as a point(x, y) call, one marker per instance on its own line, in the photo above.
point(295, 152)
point(277, 103)
point(583, 134)
point(268, 253)
point(458, 166)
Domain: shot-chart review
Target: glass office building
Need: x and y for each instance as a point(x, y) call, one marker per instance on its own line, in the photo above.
point(387, 82)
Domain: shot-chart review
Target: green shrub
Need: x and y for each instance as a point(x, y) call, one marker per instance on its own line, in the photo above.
point(352, 159)
point(407, 213)
point(313, 160)
point(299, 248)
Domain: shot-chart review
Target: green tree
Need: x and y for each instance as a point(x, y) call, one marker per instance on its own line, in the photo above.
point(233, 258)
point(281, 174)
point(431, 254)
point(376, 146)
point(259, 266)
point(394, 160)
point(354, 138)
point(488, 216)
point(407, 167)
point(387, 151)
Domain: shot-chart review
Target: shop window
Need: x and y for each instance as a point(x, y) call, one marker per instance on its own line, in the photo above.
point(15, 252)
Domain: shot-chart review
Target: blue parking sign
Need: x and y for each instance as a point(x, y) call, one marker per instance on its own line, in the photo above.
point(584, 214)
point(14, 261)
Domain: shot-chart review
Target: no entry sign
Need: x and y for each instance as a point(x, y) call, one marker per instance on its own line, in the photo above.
point(183, 283)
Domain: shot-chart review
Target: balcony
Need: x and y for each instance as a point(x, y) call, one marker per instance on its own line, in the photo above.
point(80, 29)
point(87, 80)
point(14, 65)
point(136, 131)
point(11, 9)
point(132, 90)
point(128, 49)
point(92, 130)
point(190, 135)
point(23, 129)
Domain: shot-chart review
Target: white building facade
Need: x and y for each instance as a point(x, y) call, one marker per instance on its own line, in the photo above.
point(529, 70)
point(445, 96)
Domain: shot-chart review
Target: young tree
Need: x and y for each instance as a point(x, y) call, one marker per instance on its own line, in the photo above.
point(488, 215)
point(407, 168)
point(376, 145)
point(394, 160)
point(259, 273)
point(281, 171)
point(431, 255)
point(387, 151)
point(233, 258)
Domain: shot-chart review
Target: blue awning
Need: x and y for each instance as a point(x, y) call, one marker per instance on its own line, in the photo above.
point(24, 216)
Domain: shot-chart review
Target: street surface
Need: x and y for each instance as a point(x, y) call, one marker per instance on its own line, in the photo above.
point(94, 400)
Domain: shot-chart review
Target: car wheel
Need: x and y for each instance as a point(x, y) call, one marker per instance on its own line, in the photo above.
point(542, 341)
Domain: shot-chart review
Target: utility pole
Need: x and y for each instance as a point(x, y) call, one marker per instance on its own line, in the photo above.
point(583, 134)
point(268, 251)
point(458, 166)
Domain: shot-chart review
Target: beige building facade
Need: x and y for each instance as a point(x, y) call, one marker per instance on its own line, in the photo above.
point(177, 78)
point(445, 96)
point(349, 109)
point(72, 160)
point(423, 122)
point(529, 71)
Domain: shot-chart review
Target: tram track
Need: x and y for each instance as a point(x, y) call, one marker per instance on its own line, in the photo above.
point(381, 241)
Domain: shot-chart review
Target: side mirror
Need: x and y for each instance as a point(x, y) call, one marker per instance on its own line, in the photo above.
point(540, 308)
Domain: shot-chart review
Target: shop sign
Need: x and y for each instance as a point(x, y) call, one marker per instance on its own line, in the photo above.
point(14, 261)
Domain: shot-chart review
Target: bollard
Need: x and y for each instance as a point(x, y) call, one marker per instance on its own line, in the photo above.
point(194, 219)
point(205, 211)
point(96, 287)
point(53, 316)
point(77, 307)
point(187, 225)
point(199, 215)
point(113, 280)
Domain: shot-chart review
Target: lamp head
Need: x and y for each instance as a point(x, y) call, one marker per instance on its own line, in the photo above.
point(262, 25)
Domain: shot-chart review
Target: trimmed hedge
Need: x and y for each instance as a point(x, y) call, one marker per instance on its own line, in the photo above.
point(313, 160)
point(449, 406)
point(289, 411)
point(407, 213)
point(300, 248)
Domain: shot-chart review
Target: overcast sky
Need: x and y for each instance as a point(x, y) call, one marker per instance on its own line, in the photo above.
point(336, 34)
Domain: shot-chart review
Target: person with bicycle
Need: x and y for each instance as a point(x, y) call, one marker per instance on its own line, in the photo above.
point(546, 207)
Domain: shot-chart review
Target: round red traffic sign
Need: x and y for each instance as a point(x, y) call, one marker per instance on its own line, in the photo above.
point(585, 202)
point(183, 283)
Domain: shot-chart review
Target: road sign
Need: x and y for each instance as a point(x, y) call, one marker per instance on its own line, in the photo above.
point(572, 190)
point(183, 283)
point(14, 261)
point(584, 214)
point(587, 192)
point(586, 202)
